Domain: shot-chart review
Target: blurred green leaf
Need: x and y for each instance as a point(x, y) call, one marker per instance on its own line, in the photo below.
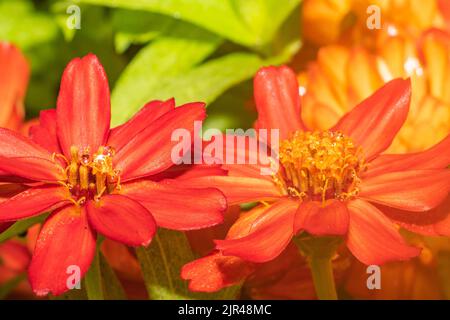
point(21, 24)
point(167, 57)
point(207, 81)
point(137, 27)
point(7, 287)
point(74, 294)
point(161, 265)
point(252, 23)
point(21, 226)
point(101, 281)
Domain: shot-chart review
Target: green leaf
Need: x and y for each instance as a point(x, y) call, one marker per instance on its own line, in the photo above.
point(74, 294)
point(249, 22)
point(167, 57)
point(101, 281)
point(161, 264)
point(137, 27)
point(7, 287)
point(93, 279)
point(21, 226)
point(21, 24)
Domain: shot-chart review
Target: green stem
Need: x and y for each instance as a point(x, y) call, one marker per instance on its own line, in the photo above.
point(318, 252)
point(322, 272)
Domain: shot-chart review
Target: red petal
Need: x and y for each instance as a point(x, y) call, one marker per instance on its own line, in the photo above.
point(374, 123)
point(373, 238)
point(4, 226)
point(13, 144)
point(15, 255)
point(415, 190)
point(215, 272)
point(150, 151)
point(14, 77)
point(44, 134)
point(430, 223)
point(177, 207)
point(8, 190)
point(277, 100)
point(331, 219)
point(437, 157)
point(65, 241)
point(240, 189)
point(121, 135)
point(270, 234)
point(83, 107)
point(32, 202)
point(37, 169)
point(122, 219)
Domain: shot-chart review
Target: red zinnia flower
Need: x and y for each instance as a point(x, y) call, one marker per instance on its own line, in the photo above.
point(335, 182)
point(92, 178)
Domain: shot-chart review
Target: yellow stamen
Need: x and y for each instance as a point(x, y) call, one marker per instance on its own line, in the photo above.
point(319, 166)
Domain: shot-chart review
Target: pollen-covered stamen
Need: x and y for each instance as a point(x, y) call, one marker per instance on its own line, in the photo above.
point(319, 166)
point(90, 177)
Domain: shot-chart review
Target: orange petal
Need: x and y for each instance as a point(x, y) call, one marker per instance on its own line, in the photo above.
point(330, 219)
point(277, 100)
point(214, 272)
point(270, 234)
point(437, 157)
point(414, 190)
point(373, 238)
point(374, 123)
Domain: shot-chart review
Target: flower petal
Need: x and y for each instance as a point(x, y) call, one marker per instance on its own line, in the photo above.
point(271, 233)
point(14, 78)
point(83, 108)
point(373, 238)
point(66, 241)
point(435, 222)
point(215, 272)
point(178, 207)
point(330, 219)
point(33, 201)
point(240, 189)
point(374, 123)
point(122, 219)
point(121, 135)
point(277, 100)
point(30, 168)
point(437, 157)
point(150, 151)
point(414, 190)
point(44, 134)
point(13, 144)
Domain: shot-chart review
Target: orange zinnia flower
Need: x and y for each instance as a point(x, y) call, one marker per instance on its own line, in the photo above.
point(332, 84)
point(335, 182)
point(346, 21)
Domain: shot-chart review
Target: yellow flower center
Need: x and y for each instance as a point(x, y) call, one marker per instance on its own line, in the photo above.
point(319, 166)
point(90, 176)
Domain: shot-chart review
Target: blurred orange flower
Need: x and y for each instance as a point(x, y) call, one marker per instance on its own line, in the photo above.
point(346, 21)
point(343, 76)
